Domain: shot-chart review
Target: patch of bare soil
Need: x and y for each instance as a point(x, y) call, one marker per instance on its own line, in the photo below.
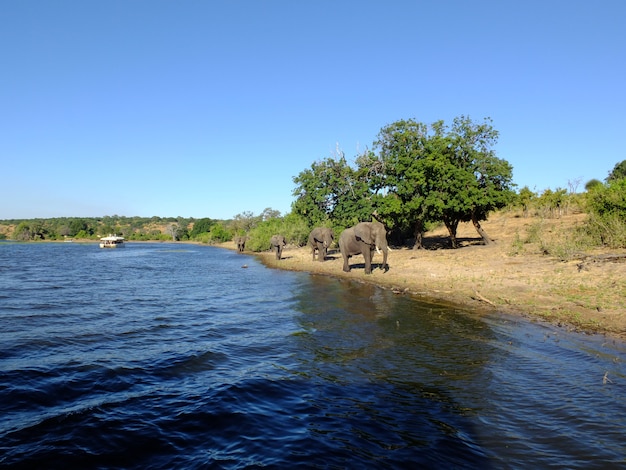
point(511, 275)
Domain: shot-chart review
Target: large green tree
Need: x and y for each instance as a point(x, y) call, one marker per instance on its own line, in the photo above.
point(332, 192)
point(416, 174)
point(434, 173)
point(396, 175)
point(488, 178)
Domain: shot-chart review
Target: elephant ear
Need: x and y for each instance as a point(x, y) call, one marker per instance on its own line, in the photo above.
point(363, 232)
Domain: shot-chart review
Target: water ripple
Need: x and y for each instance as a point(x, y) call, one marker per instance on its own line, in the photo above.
point(157, 357)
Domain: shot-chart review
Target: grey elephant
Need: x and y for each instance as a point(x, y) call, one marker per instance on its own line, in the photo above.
point(277, 242)
point(320, 239)
point(364, 238)
point(241, 243)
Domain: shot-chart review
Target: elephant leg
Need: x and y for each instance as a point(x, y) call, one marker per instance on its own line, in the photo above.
point(313, 252)
point(346, 266)
point(367, 255)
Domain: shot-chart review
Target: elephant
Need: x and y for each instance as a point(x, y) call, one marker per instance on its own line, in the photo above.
point(320, 239)
point(364, 238)
point(277, 242)
point(241, 243)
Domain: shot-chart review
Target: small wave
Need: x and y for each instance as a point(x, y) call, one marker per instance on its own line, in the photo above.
point(141, 362)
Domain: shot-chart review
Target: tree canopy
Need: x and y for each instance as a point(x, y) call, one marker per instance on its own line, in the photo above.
point(202, 226)
point(332, 192)
point(618, 172)
point(417, 174)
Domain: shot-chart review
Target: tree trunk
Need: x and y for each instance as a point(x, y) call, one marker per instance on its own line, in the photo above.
point(481, 232)
point(451, 226)
point(419, 235)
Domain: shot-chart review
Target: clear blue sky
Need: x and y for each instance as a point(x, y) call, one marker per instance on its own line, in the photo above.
point(210, 108)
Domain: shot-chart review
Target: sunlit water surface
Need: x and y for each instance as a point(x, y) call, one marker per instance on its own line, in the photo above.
point(175, 356)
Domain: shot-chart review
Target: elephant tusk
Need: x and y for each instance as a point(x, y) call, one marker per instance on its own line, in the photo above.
point(377, 250)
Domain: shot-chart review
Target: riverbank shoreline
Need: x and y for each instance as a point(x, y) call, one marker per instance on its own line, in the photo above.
point(513, 275)
point(586, 294)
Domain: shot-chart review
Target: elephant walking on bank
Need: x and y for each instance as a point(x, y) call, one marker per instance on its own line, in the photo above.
point(277, 242)
point(364, 238)
point(320, 239)
point(241, 243)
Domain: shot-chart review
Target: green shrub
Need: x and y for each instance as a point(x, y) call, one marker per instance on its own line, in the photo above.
point(293, 227)
point(296, 229)
point(219, 234)
point(607, 230)
point(204, 237)
point(260, 235)
point(608, 199)
point(606, 205)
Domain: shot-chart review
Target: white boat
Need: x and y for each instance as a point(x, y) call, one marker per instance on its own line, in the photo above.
point(112, 241)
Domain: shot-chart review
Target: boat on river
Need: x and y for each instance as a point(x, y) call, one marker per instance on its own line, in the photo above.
point(112, 241)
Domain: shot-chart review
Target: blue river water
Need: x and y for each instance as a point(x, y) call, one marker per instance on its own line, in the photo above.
point(169, 356)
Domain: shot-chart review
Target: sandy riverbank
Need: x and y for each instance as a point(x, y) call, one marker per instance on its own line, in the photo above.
point(511, 276)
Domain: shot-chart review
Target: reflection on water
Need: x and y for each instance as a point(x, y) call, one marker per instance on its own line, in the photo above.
point(523, 393)
point(159, 357)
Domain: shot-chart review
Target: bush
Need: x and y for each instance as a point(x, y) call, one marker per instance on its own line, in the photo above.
point(293, 227)
point(260, 235)
point(608, 199)
point(203, 238)
point(296, 229)
point(219, 234)
point(606, 205)
point(608, 230)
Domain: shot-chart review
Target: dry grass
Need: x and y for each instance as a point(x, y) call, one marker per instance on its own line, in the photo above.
point(513, 275)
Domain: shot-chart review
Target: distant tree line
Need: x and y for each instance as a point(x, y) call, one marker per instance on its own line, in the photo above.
point(132, 228)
